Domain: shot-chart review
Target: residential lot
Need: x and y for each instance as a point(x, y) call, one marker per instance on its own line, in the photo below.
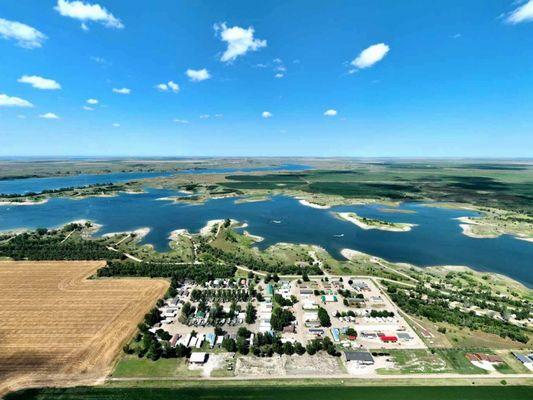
point(58, 326)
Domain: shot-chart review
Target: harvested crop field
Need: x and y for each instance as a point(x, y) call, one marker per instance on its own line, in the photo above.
point(58, 327)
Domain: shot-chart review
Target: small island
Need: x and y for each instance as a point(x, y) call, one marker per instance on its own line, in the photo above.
point(371, 223)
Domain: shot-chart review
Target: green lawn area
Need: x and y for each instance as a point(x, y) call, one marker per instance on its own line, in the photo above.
point(456, 358)
point(134, 367)
point(418, 361)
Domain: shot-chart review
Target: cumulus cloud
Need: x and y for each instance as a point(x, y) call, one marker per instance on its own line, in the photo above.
point(38, 82)
point(25, 35)
point(330, 113)
point(524, 13)
point(92, 101)
point(122, 90)
point(49, 115)
point(279, 75)
point(198, 75)
point(371, 55)
point(170, 85)
point(239, 40)
point(86, 12)
point(180, 121)
point(266, 114)
point(9, 101)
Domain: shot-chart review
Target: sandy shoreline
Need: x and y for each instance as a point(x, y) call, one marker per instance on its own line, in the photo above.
point(355, 219)
point(255, 238)
point(140, 233)
point(349, 253)
point(23, 203)
point(306, 203)
point(467, 225)
point(175, 234)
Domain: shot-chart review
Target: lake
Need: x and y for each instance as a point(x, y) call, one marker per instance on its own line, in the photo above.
point(282, 393)
point(36, 185)
point(437, 240)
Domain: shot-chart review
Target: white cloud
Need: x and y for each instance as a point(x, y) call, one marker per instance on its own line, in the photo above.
point(240, 41)
point(266, 114)
point(49, 115)
point(115, 125)
point(198, 75)
point(456, 36)
point(164, 87)
point(23, 34)
point(86, 12)
point(371, 55)
point(122, 90)
point(21, 116)
point(524, 13)
point(205, 116)
point(180, 121)
point(87, 108)
point(8, 101)
point(174, 86)
point(219, 115)
point(92, 101)
point(330, 113)
point(38, 82)
point(279, 75)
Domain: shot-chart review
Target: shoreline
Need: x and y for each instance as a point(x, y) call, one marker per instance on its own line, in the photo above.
point(357, 220)
point(139, 233)
point(307, 203)
point(467, 225)
point(255, 238)
point(23, 203)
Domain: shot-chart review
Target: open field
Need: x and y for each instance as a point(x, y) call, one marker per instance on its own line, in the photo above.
point(58, 327)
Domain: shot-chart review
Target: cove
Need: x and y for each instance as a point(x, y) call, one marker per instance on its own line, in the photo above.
point(436, 240)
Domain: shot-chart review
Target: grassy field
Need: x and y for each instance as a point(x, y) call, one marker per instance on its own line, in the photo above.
point(58, 325)
point(457, 360)
point(495, 185)
point(282, 393)
point(134, 367)
point(417, 361)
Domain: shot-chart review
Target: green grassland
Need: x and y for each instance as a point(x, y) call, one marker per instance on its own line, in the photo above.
point(490, 185)
point(134, 367)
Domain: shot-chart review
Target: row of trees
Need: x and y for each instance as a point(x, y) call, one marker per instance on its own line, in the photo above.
point(266, 345)
point(438, 310)
point(200, 273)
point(44, 245)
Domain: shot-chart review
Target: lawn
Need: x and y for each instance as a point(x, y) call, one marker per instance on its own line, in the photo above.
point(134, 367)
point(457, 360)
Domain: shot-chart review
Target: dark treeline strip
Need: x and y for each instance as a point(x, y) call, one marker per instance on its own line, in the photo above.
point(198, 272)
point(438, 310)
point(106, 186)
point(28, 246)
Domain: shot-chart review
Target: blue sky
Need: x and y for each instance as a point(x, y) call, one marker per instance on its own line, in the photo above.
point(440, 78)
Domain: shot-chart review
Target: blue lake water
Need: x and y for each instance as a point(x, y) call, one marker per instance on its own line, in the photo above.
point(36, 185)
point(437, 240)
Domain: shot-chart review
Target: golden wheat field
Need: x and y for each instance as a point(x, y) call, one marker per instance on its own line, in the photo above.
point(58, 327)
